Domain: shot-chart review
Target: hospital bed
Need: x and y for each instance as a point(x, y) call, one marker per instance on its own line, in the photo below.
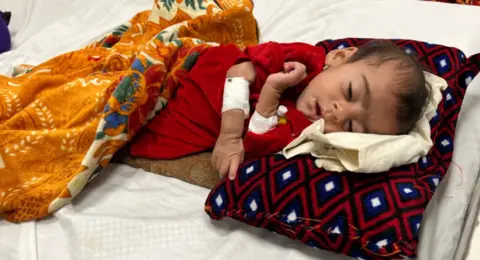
point(127, 213)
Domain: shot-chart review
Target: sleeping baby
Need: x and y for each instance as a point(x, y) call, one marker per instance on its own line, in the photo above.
point(251, 103)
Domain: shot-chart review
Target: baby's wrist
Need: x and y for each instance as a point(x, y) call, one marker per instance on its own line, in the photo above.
point(224, 135)
point(277, 87)
point(232, 124)
point(266, 111)
point(268, 102)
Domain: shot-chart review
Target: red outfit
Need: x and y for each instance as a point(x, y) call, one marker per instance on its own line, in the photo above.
point(190, 123)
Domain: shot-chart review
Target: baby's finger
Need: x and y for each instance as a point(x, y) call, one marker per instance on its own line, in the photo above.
point(223, 170)
point(214, 160)
point(218, 163)
point(232, 171)
point(290, 66)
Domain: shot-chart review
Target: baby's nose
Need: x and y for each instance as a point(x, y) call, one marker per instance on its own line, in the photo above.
point(332, 116)
point(337, 117)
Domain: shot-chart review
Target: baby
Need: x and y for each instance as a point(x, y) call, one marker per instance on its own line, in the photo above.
point(377, 88)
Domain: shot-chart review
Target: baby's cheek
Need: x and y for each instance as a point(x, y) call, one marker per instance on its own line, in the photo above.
point(328, 129)
point(331, 128)
point(303, 108)
point(299, 104)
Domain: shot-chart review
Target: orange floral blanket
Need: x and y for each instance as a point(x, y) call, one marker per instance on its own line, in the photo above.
point(62, 121)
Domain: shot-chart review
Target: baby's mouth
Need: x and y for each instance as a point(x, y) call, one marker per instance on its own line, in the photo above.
point(313, 111)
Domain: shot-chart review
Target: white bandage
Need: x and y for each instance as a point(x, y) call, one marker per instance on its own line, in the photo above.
point(260, 125)
point(236, 95)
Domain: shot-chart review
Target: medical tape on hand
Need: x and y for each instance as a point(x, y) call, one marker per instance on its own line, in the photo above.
point(260, 125)
point(236, 95)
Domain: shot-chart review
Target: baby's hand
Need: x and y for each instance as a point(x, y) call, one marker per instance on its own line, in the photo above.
point(227, 155)
point(293, 73)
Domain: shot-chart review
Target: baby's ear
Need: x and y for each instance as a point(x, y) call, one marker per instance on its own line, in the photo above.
point(340, 56)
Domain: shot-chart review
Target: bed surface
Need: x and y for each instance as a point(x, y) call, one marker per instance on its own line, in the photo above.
point(131, 214)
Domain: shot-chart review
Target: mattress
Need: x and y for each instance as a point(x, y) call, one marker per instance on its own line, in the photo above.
point(131, 214)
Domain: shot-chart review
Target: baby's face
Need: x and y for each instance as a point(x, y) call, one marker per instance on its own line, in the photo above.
point(352, 97)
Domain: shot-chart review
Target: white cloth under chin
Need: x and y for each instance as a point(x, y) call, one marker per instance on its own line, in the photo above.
point(369, 153)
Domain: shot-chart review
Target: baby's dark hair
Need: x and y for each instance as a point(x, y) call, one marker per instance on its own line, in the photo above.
point(414, 91)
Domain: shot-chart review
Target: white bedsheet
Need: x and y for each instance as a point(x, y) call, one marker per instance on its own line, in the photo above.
point(42, 29)
point(131, 214)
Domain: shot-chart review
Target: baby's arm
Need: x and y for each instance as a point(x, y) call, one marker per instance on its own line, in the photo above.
point(235, 98)
point(266, 111)
point(260, 61)
point(228, 152)
point(292, 74)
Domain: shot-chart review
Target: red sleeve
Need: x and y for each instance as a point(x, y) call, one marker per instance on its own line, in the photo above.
point(268, 58)
point(210, 70)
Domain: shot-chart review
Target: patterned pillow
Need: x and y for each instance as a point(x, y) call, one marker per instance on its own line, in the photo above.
point(361, 215)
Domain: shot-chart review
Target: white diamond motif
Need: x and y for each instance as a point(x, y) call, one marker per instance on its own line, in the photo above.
point(448, 97)
point(424, 160)
point(382, 243)
point(468, 80)
point(253, 205)
point(292, 216)
point(329, 186)
point(250, 169)
point(445, 143)
point(341, 46)
point(407, 190)
point(336, 230)
point(443, 63)
point(219, 200)
point(435, 181)
point(286, 175)
point(375, 202)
